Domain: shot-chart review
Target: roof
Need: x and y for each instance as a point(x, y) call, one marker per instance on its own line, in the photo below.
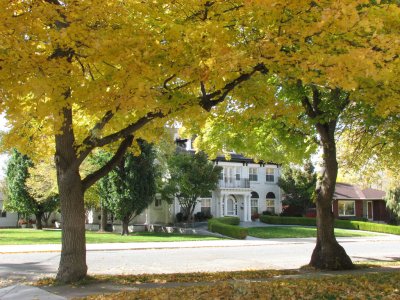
point(374, 193)
point(234, 157)
point(349, 191)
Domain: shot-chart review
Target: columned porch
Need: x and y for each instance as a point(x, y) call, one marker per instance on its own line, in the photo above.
point(234, 203)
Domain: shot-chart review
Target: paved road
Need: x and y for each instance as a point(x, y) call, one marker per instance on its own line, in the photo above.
point(191, 256)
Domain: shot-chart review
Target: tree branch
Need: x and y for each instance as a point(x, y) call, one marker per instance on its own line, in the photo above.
point(130, 129)
point(93, 177)
point(207, 101)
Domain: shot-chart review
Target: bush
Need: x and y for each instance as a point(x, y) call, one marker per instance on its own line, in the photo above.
point(292, 211)
point(288, 220)
point(226, 226)
point(180, 217)
point(268, 213)
point(344, 224)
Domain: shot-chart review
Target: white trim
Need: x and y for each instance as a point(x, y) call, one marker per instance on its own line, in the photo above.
point(372, 210)
point(354, 204)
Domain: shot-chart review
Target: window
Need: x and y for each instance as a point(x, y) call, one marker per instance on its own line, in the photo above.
point(157, 201)
point(270, 202)
point(206, 206)
point(270, 175)
point(346, 208)
point(270, 205)
point(253, 174)
point(3, 214)
point(221, 175)
point(238, 171)
point(254, 203)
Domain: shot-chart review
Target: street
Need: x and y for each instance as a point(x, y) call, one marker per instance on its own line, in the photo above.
point(177, 257)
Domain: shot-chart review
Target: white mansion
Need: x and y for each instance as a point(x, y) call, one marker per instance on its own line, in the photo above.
point(245, 188)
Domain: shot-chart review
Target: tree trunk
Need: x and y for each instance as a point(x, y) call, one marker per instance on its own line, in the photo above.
point(125, 224)
point(328, 254)
point(46, 217)
point(103, 219)
point(73, 253)
point(39, 216)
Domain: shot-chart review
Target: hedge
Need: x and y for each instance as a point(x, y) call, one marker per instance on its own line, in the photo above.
point(344, 224)
point(288, 220)
point(227, 226)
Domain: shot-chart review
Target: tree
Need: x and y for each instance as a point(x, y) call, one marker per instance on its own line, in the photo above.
point(393, 203)
point(131, 185)
point(81, 75)
point(190, 177)
point(42, 186)
point(299, 186)
point(29, 194)
point(331, 64)
point(18, 198)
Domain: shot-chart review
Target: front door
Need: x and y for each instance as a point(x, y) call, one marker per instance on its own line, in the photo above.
point(231, 207)
point(370, 210)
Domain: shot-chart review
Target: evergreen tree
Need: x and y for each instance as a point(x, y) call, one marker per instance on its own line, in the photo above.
point(393, 203)
point(131, 187)
point(299, 186)
point(23, 199)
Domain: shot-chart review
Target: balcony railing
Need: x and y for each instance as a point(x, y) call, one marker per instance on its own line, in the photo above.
point(232, 182)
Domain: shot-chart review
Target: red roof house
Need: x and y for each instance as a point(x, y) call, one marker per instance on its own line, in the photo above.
point(351, 202)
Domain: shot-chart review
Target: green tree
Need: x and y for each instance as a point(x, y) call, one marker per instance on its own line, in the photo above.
point(28, 194)
point(18, 198)
point(190, 177)
point(299, 187)
point(393, 203)
point(131, 187)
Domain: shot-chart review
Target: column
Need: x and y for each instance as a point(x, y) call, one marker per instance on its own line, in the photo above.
point(245, 208)
point(225, 205)
point(221, 201)
point(248, 208)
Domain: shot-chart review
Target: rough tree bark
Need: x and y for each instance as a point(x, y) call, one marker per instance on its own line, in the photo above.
point(39, 216)
point(125, 225)
point(103, 218)
point(73, 254)
point(328, 254)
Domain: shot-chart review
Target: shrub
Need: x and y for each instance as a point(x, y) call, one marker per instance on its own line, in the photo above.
point(292, 211)
point(179, 217)
point(255, 216)
point(288, 220)
point(344, 224)
point(226, 226)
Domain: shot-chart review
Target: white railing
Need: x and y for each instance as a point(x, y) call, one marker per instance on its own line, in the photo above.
point(232, 182)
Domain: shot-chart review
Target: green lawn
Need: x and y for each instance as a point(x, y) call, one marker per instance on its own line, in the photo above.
point(32, 236)
point(298, 232)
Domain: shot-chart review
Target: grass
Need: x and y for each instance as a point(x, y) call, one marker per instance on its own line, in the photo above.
point(298, 232)
point(33, 236)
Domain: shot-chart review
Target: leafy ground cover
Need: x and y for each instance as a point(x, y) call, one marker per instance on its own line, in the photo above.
point(299, 232)
point(356, 286)
point(177, 277)
point(32, 236)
